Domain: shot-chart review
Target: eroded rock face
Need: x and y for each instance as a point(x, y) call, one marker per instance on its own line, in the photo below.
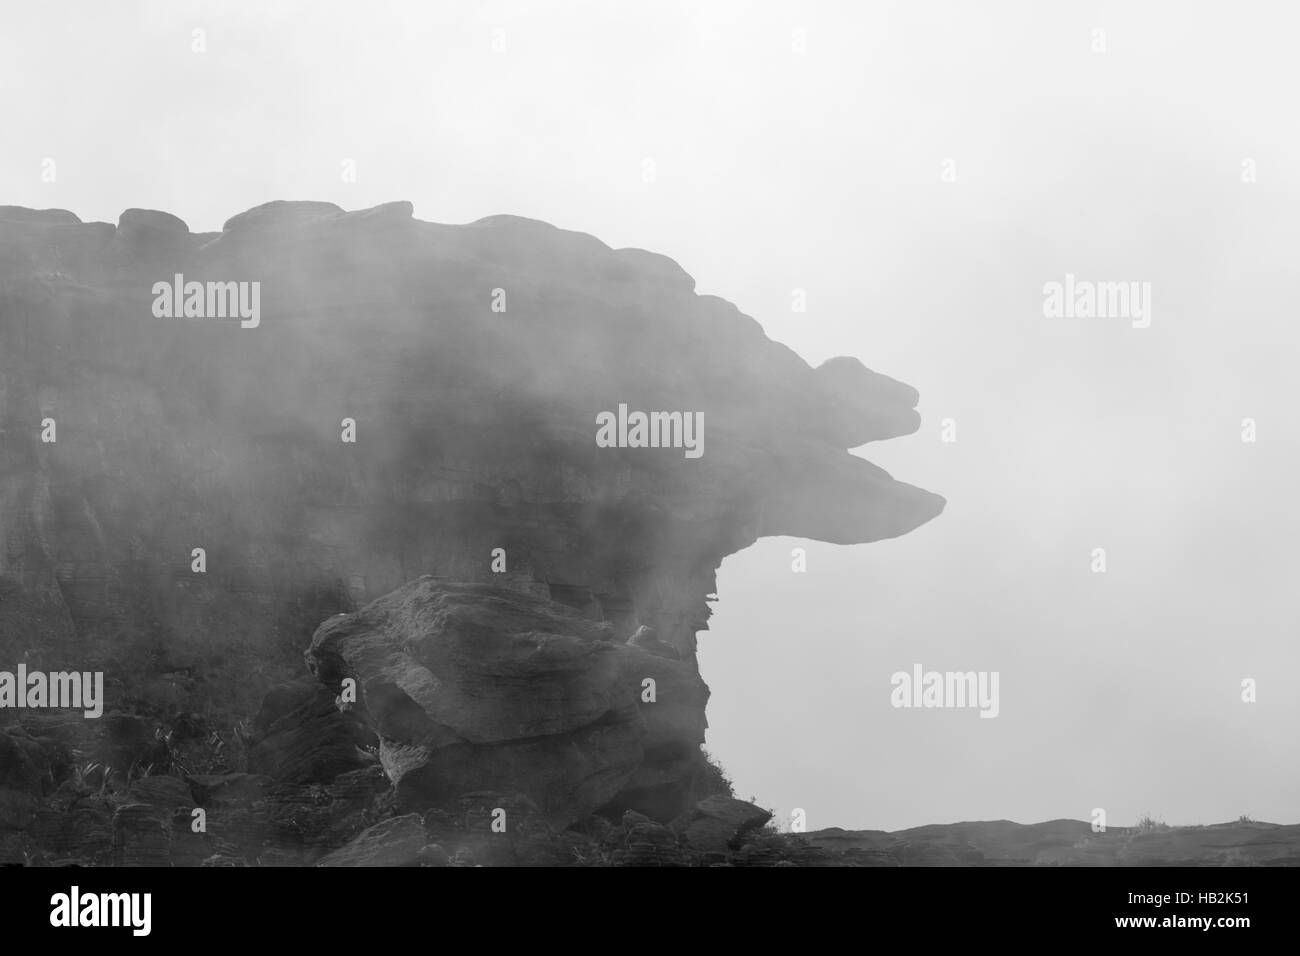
point(474, 687)
point(475, 428)
point(473, 362)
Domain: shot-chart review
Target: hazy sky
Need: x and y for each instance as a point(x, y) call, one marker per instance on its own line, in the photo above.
point(805, 145)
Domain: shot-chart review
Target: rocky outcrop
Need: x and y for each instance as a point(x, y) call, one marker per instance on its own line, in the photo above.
point(719, 823)
point(1052, 843)
point(302, 737)
point(475, 426)
point(472, 687)
point(644, 842)
point(402, 443)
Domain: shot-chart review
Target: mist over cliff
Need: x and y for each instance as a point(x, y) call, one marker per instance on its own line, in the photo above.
point(384, 432)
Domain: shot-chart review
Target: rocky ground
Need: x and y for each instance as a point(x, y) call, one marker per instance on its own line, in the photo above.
point(463, 724)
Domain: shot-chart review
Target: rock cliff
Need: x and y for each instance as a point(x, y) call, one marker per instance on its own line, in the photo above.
point(399, 440)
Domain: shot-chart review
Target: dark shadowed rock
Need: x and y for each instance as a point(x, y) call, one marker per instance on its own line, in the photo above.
point(646, 639)
point(647, 843)
point(474, 687)
point(129, 739)
point(228, 789)
point(305, 738)
point(141, 836)
point(395, 842)
point(433, 855)
point(83, 832)
point(163, 792)
point(718, 823)
point(23, 772)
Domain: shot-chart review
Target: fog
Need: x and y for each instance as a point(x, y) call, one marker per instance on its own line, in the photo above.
point(920, 171)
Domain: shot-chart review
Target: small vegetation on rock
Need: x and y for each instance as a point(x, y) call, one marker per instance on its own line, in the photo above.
point(713, 781)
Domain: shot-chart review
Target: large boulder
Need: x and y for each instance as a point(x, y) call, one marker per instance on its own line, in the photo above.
point(474, 687)
point(717, 824)
point(302, 737)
